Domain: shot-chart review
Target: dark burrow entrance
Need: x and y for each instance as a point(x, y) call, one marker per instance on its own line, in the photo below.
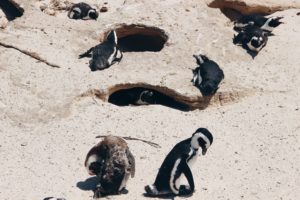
point(11, 9)
point(139, 42)
point(138, 96)
point(139, 38)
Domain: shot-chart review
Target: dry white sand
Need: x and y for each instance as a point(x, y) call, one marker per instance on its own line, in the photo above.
point(46, 129)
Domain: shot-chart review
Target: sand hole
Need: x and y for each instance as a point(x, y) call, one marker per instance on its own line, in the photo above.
point(139, 96)
point(139, 38)
point(11, 9)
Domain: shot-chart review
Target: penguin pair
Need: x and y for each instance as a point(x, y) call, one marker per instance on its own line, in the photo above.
point(82, 11)
point(253, 31)
point(177, 164)
point(104, 54)
point(207, 76)
point(264, 23)
point(113, 163)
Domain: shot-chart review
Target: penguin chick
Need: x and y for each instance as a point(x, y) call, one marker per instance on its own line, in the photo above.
point(266, 24)
point(177, 163)
point(113, 163)
point(207, 76)
point(252, 38)
point(82, 11)
point(105, 54)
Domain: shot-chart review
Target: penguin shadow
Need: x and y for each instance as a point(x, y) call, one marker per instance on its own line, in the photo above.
point(251, 53)
point(88, 184)
point(231, 14)
point(167, 196)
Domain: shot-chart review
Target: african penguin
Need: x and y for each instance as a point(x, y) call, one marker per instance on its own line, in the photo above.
point(105, 54)
point(82, 11)
point(252, 38)
point(143, 96)
point(177, 163)
point(146, 97)
point(113, 163)
point(266, 24)
point(133, 96)
point(53, 198)
point(207, 76)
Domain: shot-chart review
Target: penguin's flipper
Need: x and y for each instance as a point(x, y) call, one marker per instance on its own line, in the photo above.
point(87, 53)
point(189, 176)
point(131, 162)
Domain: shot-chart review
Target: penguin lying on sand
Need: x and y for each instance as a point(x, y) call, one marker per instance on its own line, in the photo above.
point(177, 163)
point(144, 96)
point(82, 11)
point(266, 24)
point(105, 54)
point(112, 162)
point(207, 76)
point(252, 38)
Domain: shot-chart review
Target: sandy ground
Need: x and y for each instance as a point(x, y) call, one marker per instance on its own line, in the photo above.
point(46, 128)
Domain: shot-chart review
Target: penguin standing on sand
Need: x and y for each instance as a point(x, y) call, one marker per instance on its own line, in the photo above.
point(177, 163)
point(113, 163)
point(264, 23)
point(105, 54)
point(252, 38)
point(207, 76)
point(82, 11)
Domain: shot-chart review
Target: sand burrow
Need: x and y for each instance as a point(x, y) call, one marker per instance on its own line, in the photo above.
point(132, 97)
point(11, 9)
point(139, 38)
point(128, 94)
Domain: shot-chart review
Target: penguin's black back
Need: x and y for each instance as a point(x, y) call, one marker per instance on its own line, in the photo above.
point(258, 20)
point(210, 70)
point(101, 54)
point(180, 151)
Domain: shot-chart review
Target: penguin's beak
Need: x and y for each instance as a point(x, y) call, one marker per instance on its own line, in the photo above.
point(204, 151)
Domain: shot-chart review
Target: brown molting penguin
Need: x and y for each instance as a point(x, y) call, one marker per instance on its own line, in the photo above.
point(112, 162)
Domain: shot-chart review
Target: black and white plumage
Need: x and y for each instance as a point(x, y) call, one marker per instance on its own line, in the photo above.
point(207, 76)
point(252, 38)
point(134, 96)
point(266, 24)
point(82, 11)
point(177, 163)
point(145, 96)
point(113, 163)
point(105, 54)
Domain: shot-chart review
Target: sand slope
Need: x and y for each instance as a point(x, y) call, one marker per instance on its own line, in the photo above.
point(49, 117)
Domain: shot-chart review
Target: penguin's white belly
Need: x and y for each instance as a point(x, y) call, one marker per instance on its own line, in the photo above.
point(190, 163)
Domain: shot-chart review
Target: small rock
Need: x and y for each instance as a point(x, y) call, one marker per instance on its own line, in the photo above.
point(24, 144)
point(103, 9)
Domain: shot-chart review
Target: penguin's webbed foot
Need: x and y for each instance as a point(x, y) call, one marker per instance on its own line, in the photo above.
point(185, 190)
point(98, 192)
point(151, 191)
point(123, 191)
